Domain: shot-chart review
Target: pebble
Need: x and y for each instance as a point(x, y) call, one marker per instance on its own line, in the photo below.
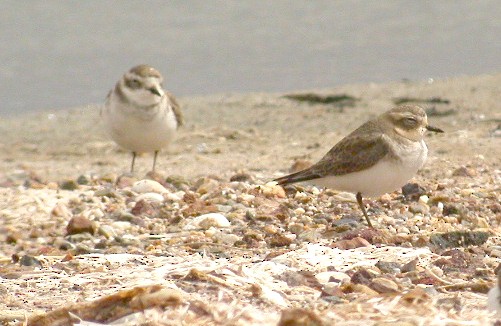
point(270, 229)
point(224, 208)
point(309, 236)
point(356, 242)
point(383, 285)
point(69, 185)
point(413, 191)
point(61, 210)
point(63, 244)
point(207, 186)
point(495, 253)
point(241, 177)
point(388, 267)
point(410, 266)
point(150, 197)
point(359, 288)
point(299, 211)
point(334, 277)
point(79, 224)
point(83, 180)
point(206, 221)
point(464, 172)
point(107, 231)
point(105, 192)
point(419, 208)
point(27, 260)
point(228, 239)
point(345, 197)
point(271, 189)
point(145, 186)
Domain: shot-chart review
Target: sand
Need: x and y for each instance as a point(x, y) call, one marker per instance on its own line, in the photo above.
point(261, 135)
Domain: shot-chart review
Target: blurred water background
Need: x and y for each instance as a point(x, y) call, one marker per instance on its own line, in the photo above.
point(61, 54)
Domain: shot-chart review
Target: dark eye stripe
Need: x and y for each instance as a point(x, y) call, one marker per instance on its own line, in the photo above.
point(132, 83)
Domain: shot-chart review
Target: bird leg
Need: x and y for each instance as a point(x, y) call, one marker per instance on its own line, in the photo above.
point(133, 160)
point(362, 207)
point(154, 161)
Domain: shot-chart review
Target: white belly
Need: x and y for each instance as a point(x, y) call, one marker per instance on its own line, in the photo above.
point(140, 133)
point(385, 176)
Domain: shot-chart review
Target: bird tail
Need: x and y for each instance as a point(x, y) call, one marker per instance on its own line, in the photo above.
point(303, 175)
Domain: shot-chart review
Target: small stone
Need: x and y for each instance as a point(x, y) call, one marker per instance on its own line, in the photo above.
point(419, 208)
point(383, 285)
point(345, 197)
point(125, 180)
point(83, 180)
point(27, 260)
point(296, 228)
point(143, 207)
point(362, 276)
point(412, 191)
point(241, 177)
point(464, 172)
point(358, 288)
point(69, 185)
point(495, 253)
point(271, 189)
point(459, 239)
point(299, 316)
point(452, 209)
point(334, 277)
point(79, 224)
point(80, 237)
point(150, 197)
point(331, 289)
point(207, 186)
point(109, 178)
point(416, 296)
point(206, 221)
point(279, 240)
point(356, 242)
point(144, 186)
point(107, 231)
point(63, 244)
point(177, 181)
point(61, 210)
point(224, 208)
point(105, 192)
point(410, 266)
point(270, 229)
point(309, 236)
point(388, 267)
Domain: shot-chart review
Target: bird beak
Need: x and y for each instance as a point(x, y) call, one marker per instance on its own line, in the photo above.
point(435, 129)
point(155, 91)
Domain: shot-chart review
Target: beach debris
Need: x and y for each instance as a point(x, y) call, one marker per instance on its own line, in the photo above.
point(340, 100)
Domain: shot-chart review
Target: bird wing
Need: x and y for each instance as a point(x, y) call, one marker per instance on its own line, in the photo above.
point(354, 153)
point(176, 108)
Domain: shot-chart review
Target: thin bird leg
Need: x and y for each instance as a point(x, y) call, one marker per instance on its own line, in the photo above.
point(154, 160)
point(133, 160)
point(362, 207)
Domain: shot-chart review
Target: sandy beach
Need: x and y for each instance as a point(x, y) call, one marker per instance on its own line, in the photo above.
point(273, 249)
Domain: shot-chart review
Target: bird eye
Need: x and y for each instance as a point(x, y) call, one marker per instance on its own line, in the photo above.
point(410, 121)
point(134, 83)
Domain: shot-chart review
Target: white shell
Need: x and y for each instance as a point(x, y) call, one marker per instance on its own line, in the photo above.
point(150, 197)
point(143, 186)
point(208, 220)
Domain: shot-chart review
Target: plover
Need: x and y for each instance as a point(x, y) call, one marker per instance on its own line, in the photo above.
point(378, 157)
point(139, 115)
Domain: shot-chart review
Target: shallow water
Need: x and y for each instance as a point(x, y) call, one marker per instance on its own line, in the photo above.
point(59, 54)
